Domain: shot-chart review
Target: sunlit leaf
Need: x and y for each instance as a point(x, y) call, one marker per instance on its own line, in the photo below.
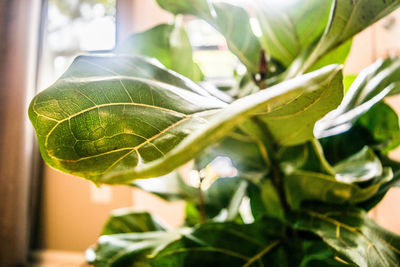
point(167, 43)
point(231, 21)
point(347, 18)
point(294, 123)
point(115, 119)
point(289, 28)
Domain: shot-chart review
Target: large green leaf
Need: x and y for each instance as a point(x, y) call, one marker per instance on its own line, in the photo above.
point(128, 221)
point(289, 28)
point(354, 236)
point(223, 197)
point(360, 167)
point(294, 122)
point(128, 237)
point(347, 18)
point(341, 188)
point(169, 44)
point(227, 244)
point(115, 119)
point(362, 118)
point(231, 21)
point(370, 87)
point(127, 248)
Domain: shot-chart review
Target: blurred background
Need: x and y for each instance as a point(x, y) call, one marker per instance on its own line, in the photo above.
point(59, 216)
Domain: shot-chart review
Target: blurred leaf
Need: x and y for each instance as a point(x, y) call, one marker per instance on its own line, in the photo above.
point(336, 56)
point(360, 167)
point(129, 237)
point(383, 189)
point(369, 88)
point(243, 150)
point(306, 157)
point(128, 249)
point(227, 244)
point(231, 21)
point(270, 198)
point(286, 30)
point(128, 221)
point(353, 236)
point(169, 187)
point(327, 189)
point(294, 123)
point(347, 18)
point(318, 254)
point(167, 43)
point(348, 81)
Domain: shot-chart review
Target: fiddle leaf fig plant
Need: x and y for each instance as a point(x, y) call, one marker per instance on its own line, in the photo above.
point(280, 170)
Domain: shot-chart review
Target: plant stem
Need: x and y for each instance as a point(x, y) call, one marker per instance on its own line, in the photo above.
point(202, 205)
point(277, 174)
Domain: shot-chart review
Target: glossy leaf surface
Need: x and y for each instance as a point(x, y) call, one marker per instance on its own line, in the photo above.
point(226, 244)
point(328, 189)
point(355, 237)
point(128, 237)
point(369, 88)
point(125, 118)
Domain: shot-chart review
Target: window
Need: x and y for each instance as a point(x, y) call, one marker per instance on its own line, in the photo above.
point(73, 27)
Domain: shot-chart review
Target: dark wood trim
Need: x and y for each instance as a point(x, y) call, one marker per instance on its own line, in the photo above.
point(19, 27)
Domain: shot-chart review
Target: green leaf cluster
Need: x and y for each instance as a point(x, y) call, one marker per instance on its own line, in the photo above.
point(280, 172)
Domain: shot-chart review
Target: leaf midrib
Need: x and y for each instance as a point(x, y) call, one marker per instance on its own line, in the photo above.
point(349, 228)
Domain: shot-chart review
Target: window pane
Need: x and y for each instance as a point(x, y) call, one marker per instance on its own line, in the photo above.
point(73, 27)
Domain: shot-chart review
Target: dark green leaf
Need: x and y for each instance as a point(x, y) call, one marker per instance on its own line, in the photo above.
point(354, 236)
point(169, 187)
point(327, 189)
point(372, 202)
point(318, 254)
point(167, 43)
point(306, 157)
point(227, 244)
point(128, 221)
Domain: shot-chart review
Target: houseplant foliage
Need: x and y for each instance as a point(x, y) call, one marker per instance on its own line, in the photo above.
point(308, 158)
